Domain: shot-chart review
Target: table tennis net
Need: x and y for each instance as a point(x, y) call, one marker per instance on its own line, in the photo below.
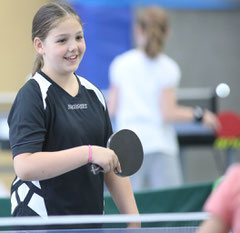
point(151, 223)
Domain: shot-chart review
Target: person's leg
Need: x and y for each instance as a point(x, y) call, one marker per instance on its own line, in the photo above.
point(138, 180)
point(165, 171)
point(232, 156)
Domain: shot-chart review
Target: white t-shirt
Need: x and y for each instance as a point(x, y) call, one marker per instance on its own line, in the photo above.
point(140, 81)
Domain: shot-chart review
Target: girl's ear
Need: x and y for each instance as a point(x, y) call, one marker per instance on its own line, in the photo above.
point(38, 44)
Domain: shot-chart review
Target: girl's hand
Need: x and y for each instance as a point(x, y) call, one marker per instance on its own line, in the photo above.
point(211, 120)
point(105, 158)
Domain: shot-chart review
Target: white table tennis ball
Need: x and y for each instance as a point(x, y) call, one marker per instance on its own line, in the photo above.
point(222, 90)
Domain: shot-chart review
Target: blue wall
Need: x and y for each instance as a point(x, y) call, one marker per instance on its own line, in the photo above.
point(108, 32)
point(177, 4)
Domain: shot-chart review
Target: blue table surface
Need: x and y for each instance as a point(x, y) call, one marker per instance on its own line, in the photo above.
point(192, 128)
point(117, 230)
point(182, 129)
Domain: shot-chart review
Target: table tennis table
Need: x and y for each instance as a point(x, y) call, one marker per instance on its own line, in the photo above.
point(189, 133)
point(194, 134)
point(117, 230)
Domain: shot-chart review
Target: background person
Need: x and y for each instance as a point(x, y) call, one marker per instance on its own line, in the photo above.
point(224, 205)
point(142, 97)
point(59, 125)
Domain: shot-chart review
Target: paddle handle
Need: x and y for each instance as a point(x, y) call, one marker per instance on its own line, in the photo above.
point(95, 169)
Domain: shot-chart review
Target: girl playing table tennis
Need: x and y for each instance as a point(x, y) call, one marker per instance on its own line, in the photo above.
point(142, 97)
point(59, 125)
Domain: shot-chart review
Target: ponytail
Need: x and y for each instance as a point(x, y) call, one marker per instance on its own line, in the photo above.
point(38, 64)
point(154, 42)
point(153, 22)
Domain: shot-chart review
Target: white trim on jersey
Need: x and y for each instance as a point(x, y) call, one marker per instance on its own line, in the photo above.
point(23, 191)
point(14, 202)
point(15, 181)
point(90, 86)
point(44, 84)
point(36, 202)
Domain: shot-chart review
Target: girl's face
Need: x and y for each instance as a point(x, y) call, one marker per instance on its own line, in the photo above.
point(63, 48)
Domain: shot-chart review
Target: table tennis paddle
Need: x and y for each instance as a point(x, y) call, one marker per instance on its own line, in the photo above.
point(128, 147)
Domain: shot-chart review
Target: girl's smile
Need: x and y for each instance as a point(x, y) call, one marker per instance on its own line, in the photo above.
point(72, 59)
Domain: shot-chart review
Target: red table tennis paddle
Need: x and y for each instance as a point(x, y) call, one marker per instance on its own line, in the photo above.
point(128, 147)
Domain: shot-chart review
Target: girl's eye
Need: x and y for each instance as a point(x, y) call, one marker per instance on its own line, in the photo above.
point(79, 37)
point(61, 41)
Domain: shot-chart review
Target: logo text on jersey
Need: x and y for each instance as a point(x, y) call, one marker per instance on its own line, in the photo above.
point(77, 106)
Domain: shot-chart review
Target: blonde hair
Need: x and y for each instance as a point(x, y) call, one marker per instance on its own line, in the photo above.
point(46, 19)
point(154, 22)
